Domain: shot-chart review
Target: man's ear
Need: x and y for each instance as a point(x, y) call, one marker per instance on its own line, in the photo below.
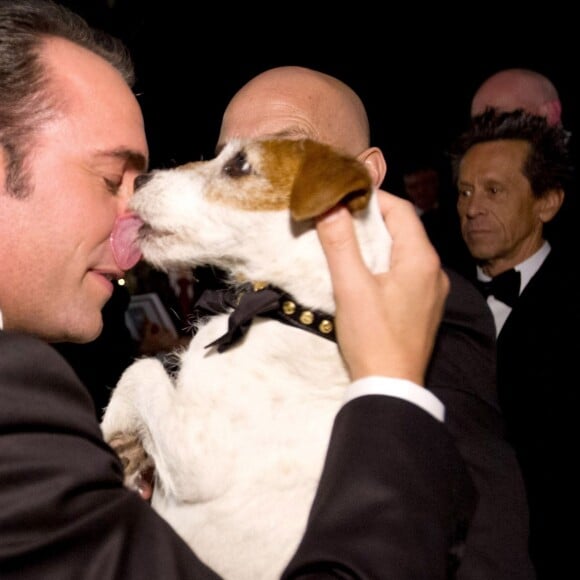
point(549, 204)
point(375, 163)
point(552, 110)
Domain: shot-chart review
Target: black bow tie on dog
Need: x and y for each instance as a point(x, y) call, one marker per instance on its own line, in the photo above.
point(250, 300)
point(505, 287)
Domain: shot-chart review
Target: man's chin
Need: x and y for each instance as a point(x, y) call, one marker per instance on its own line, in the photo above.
point(81, 333)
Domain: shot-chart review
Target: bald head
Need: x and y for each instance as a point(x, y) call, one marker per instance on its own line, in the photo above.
point(298, 102)
point(518, 88)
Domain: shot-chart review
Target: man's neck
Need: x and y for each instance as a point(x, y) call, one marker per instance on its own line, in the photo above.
point(495, 267)
point(527, 267)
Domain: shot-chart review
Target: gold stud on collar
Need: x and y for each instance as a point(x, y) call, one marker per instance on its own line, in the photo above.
point(257, 286)
point(326, 327)
point(307, 317)
point(289, 307)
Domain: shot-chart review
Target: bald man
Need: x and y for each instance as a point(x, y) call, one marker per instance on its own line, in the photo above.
point(295, 102)
point(518, 88)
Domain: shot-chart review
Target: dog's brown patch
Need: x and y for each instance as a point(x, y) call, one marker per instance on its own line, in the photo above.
point(301, 175)
point(326, 178)
point(264, 183)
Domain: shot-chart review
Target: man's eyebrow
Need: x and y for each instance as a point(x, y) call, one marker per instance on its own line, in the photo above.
point(133, 158)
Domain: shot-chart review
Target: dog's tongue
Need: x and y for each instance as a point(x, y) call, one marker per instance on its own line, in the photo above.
point(124, 241)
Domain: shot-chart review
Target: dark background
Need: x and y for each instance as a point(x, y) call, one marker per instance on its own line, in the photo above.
point(415, 68)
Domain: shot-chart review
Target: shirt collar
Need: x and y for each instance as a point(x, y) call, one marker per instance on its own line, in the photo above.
point(527, 268)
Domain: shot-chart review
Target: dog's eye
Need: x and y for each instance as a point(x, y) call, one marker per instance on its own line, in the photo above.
point(238, 165)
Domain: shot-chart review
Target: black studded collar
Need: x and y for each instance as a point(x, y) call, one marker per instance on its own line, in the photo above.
point(251, 299)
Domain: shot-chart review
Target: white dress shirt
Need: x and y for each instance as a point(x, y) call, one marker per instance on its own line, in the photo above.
point(400, 388)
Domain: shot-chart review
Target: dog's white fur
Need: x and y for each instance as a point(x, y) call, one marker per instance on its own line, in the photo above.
point(239, 438)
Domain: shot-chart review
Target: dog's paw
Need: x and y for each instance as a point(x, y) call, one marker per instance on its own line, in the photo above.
point(138, 466)
point(122, 414)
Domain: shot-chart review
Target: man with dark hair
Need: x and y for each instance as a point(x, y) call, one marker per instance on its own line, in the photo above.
point(513, 170)
point(72, 143)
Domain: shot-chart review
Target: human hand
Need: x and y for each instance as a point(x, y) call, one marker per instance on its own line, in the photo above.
point(386, 323)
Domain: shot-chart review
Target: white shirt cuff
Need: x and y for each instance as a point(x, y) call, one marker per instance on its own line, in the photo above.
point(400, 388)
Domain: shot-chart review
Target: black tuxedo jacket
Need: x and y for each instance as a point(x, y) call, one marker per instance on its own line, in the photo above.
point(537, 353)
point(394, 500)
point(462, 374)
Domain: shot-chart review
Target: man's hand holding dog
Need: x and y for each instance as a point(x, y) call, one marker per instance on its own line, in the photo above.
point(386, 323)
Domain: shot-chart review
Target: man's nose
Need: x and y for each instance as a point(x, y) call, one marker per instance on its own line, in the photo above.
point(474, 204)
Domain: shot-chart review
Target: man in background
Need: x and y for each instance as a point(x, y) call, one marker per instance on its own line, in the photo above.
point(519, 88)
point(296, 102)
point(513, 171)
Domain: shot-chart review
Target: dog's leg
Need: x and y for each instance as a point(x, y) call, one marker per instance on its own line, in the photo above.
point(147, 412)
point(123, 426)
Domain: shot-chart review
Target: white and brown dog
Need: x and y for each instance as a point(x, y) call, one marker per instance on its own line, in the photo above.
point(239, 436)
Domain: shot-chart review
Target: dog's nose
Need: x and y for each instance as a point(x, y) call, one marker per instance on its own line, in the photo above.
point(141, 180)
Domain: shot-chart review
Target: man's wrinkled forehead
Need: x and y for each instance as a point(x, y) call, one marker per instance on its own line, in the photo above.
point(291, 132)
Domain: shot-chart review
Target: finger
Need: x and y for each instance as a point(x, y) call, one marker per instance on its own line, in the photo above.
point(340, 245)
point(406, 229)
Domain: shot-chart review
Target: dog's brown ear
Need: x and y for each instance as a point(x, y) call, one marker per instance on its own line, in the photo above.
point(327, 178)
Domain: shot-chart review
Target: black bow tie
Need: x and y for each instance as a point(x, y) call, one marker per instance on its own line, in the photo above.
point(505, 287)
point(250, 300)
